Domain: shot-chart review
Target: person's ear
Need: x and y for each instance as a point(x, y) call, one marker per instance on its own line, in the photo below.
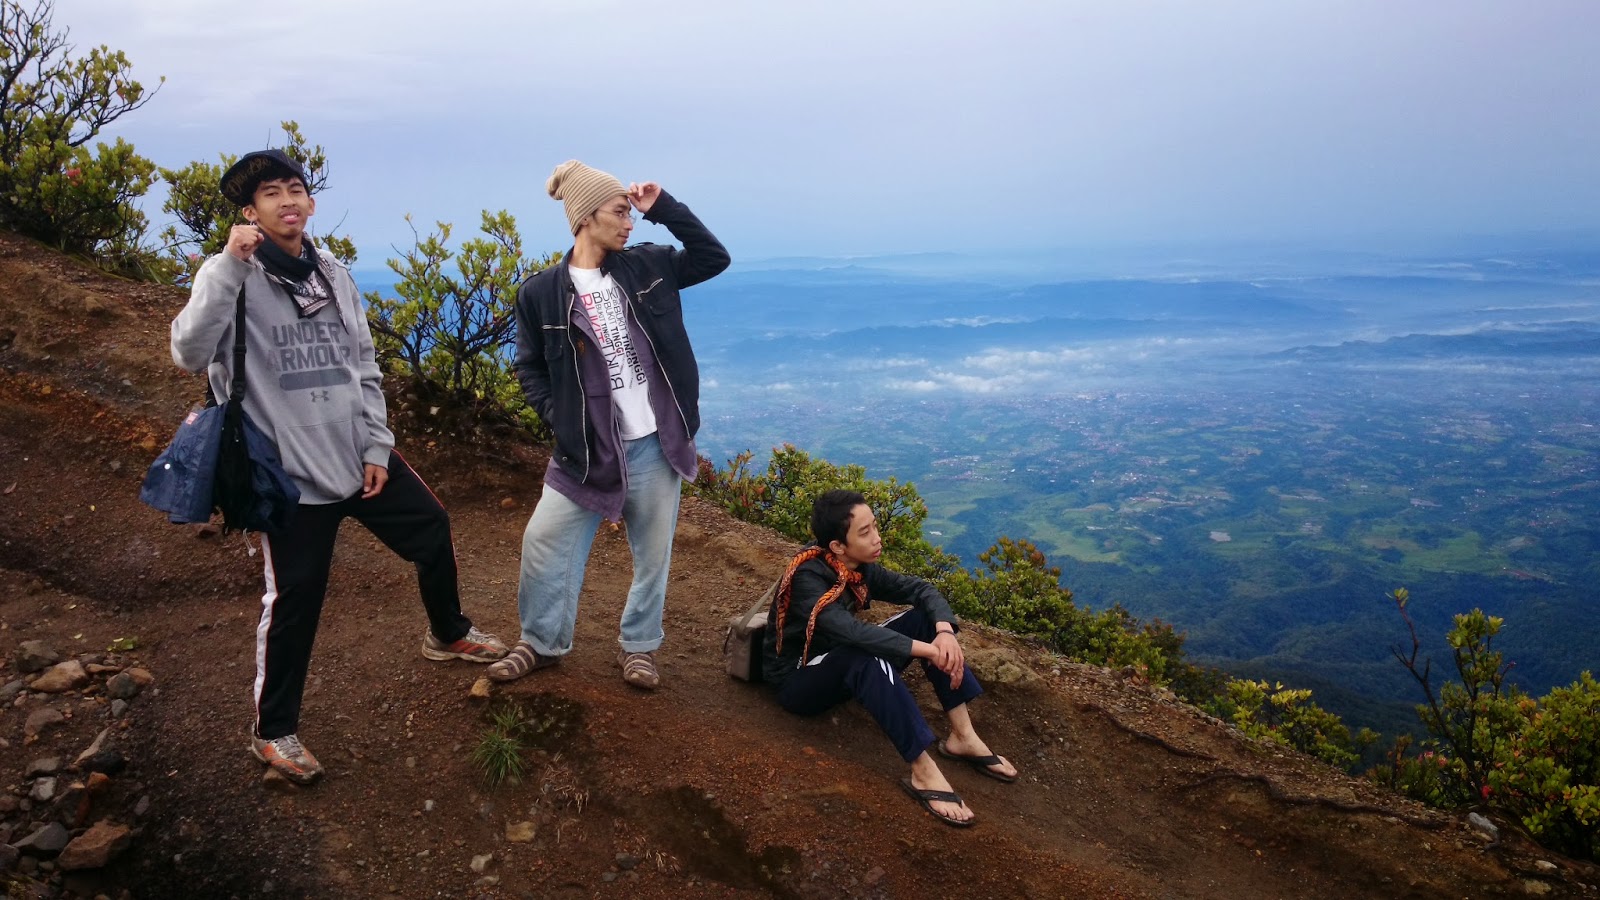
point(249, 212)
point(837, 548)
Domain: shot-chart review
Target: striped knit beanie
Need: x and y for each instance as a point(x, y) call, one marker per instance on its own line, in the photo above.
point(582, 189)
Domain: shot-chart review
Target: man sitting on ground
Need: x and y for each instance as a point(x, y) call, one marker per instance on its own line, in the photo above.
point(819, 654)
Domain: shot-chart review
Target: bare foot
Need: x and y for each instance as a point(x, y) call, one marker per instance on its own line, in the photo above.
point(972, 745)
point(925, 776)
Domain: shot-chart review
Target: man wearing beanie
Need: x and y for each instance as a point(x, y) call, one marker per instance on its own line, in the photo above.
point(604, 359)
point(312, 385)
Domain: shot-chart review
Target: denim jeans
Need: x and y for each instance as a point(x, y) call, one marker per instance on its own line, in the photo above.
point(555, 552)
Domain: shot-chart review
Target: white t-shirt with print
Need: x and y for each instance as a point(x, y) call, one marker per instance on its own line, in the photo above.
point(601, 299)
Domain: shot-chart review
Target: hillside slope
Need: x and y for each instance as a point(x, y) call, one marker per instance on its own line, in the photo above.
point(702, 789)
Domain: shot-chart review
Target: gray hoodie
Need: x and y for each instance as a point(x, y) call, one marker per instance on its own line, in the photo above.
point(312, 384)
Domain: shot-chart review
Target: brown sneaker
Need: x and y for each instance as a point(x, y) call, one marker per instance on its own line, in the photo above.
point(639, 670)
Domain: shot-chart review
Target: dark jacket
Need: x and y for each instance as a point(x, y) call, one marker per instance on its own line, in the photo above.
point(837, 625)
point(551, 351)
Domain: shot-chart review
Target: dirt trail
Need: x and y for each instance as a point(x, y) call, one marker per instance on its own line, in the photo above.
point(704, 788)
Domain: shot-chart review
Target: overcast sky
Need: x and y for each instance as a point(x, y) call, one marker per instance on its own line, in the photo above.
point(872, 126)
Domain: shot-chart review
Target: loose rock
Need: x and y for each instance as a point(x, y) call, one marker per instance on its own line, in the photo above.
point(47, 840)
point(118, 707)
point(11, 689)
point(48, 765)
point(92, 749)
point(110, 762)
point(480, 689)
point(35, 656)
point(1485, 827)
point(273, 780)
point(142, 676)
point(95, 847)
point(61, 677)
point(122, 686)
point(481, 863)
point(44, 790)
point(519, 832)
point(40, 719)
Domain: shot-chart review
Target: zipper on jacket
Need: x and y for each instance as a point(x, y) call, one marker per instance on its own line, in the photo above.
point(664, 376)
point(577, 377)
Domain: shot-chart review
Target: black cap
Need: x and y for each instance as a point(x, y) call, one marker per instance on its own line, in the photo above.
point(239, 183)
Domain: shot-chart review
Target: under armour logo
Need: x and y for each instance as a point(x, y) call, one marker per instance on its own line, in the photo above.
point(319, 396)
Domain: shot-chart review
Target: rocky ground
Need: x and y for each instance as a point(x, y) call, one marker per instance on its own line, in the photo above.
point(126, 656)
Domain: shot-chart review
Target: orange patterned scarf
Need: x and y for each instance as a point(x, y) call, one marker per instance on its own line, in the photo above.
point(848, 578)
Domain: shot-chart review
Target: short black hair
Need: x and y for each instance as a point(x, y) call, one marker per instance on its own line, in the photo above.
point(830, 516)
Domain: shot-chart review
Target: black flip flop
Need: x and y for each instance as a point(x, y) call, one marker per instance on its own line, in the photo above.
point(981, 763)
point(926, 798)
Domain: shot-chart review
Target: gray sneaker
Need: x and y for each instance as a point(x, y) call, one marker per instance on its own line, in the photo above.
point(288, 756)
point(474, 646)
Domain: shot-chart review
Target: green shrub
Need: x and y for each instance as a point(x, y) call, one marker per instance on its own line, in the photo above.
point(1286, 716)
point(53, 105)
point(448, 329)
point(1536, 760)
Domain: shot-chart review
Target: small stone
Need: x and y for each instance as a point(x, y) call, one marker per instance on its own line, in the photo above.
point(142, 808)
point(142, 676)
point(519, 832)
point(40, 719)
point(1545, 865)
point(872, 877)
point(626, 861)
point(509, 503)
point(411, 762)
point(98, 782)
point(122, 686)
point(427, 806)
point(1534, 888)
point(608, 877)
point(35, 656)
point(47, 840)
point(108, 761)
point(8, 805)
point(118, 708)
point(11, 689)
point(480, 689)
point(1485, 827)
point(273, 780)
point(44, 790)
point(480, 864)
point(61, 677)
point(72, 807)
point(489, 881)
point(48, 765)
point(101, 669)
point(92, 749)
point(95, 847)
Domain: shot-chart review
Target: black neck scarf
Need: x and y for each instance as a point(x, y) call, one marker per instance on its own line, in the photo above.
point(297, 275)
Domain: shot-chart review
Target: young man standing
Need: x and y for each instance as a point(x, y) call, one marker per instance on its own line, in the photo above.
point(314, 387)
point(818, 654)
point(605, 361)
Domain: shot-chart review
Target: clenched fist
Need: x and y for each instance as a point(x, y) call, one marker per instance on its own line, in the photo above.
point(244, 239)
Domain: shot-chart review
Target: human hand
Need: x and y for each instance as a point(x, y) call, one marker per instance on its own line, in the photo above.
point(643, 196)
point(244, 239)
point(373, 481)
point(951, 659)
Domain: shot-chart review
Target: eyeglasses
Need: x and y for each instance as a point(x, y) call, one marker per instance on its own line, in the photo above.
point(626, 216)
